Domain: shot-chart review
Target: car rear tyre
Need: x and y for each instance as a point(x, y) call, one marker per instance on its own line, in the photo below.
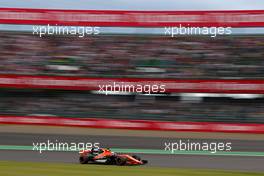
point(83, 160)
point(120, 161)
point(110, 161)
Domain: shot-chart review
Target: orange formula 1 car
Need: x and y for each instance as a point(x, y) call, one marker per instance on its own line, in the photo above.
point(106, 156)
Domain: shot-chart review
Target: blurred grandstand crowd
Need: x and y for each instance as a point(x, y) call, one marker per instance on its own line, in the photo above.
point(133, 56)
point(236, 57)
point(164, 108)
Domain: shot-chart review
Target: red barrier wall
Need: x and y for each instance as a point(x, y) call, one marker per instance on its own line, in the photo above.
point(228, 18)
point(134, 124)
point(182, 86)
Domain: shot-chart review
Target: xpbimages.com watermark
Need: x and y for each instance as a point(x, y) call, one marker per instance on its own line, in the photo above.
point(63, 146)
point(189, 30)
point(131, 88)
point(188, 145)
point(80, 31)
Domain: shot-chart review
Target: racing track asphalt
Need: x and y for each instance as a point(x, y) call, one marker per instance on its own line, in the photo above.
point(245, 163)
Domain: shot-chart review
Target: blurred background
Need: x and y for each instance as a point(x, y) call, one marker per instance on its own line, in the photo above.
point(237, 57)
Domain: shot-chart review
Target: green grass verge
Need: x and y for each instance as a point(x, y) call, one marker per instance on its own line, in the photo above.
point(10, 168)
